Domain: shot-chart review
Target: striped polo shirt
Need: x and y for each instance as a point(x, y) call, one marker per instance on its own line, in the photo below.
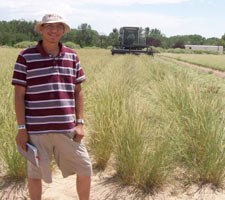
point(50, 83)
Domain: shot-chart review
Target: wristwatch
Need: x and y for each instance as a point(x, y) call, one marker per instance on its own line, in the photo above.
point(80, 121)
point(21, 126)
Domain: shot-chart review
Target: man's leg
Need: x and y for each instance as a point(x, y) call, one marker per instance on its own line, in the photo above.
point(35, 188)
point(83, 187)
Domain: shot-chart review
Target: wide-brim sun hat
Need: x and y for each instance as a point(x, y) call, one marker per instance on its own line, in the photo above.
point(50, 19)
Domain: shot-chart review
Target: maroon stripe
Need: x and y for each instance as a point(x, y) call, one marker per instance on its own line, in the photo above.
point(50, 79)
point(30, 50)
point(39, 64)
point(20, 59)
point(49, 96)
point(19, 75)
point(46, 63)
point(44, 127)
point(52, 62)
point(80, 73)
point(46, 112)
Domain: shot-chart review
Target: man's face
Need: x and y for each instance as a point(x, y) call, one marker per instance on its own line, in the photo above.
point(52, 32)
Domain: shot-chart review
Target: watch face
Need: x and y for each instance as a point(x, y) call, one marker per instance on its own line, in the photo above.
point(80, 121)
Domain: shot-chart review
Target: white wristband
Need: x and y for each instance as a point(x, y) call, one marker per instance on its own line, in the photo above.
point(21, 126)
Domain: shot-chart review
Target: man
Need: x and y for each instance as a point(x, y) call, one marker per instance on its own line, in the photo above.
point(49, 107)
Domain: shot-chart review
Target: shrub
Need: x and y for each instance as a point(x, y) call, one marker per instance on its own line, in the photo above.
point(25, 44)
point(72, 45)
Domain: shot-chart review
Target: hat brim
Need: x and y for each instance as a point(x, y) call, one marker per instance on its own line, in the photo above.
point(39, 24)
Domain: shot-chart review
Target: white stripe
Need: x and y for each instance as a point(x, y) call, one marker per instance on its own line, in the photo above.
point(71, 54)
point(51, 100)
point(50, 74)
point(78, 65)
point(18, 81)
point(39, 60)
point(52, 131)
point(40, 117)
point(30, 77)
point(51, 67)
point(31, 54)
point(39, 69)
point(22, 65)
point(39, 108)
point(51, 122)
point(55, 83)
point(16, 70)
point(49, 59)
point(81, 78)
point(47, 91)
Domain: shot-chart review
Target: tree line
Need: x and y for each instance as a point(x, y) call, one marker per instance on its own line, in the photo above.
point(15, 31)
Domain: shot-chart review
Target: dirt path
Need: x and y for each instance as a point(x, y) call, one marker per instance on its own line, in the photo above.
point(106, 187)
point(218, 73)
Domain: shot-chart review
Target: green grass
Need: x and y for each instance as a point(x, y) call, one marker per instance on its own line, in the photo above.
point(14, 164)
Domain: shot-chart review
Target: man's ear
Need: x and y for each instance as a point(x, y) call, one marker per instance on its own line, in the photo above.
point(41, 29)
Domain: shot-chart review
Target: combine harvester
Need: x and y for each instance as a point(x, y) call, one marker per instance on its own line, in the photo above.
point(132, 41)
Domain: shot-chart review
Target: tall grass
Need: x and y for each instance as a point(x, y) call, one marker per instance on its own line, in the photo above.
point(142, 152)
point(124, 125)
point(152, 118)
point(14, 164)
point(114, 85)
point(196, 113)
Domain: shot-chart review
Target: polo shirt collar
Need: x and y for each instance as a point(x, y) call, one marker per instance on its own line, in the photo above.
point(40, 48)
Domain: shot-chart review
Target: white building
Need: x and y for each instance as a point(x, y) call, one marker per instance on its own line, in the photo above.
point(217, 49)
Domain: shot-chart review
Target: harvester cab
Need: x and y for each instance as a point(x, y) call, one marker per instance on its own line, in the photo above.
point(133, 41)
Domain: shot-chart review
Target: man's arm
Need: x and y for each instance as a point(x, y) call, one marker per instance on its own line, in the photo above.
point(22, 136)
point(79, 112)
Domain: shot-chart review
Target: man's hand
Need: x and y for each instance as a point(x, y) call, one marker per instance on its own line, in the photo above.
point(22, 138)
point(79, 133)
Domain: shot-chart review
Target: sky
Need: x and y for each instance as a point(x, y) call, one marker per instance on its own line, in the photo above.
point(171, 17)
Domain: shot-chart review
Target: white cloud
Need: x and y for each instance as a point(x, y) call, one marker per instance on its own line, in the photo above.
point(43, 4)
point(129, 2)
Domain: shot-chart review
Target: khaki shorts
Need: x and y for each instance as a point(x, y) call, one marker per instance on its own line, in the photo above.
point(71, 157)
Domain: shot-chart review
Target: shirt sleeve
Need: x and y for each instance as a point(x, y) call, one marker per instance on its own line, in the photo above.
point(20, 72)
point(80, 76)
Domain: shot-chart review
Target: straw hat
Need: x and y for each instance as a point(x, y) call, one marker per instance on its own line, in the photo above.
point(51, 18)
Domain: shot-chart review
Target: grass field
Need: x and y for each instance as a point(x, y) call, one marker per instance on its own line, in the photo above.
point(150, 116)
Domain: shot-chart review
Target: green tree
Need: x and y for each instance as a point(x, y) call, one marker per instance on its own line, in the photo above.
point(153, 37)
point(214, 41)
point(86, 36)
point(223, 40)
point(114, 37)
point(70, 36)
